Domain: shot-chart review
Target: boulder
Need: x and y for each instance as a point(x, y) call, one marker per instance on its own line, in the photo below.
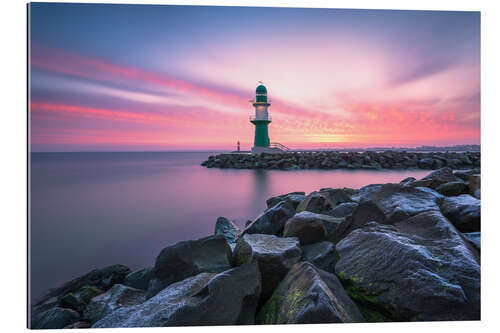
point(336, 196)
point(55, 318)
point(365, 212)
point(227, 298)
point(272, 220)
point(102, 279)
point(227, 229)
point(139, 279)
point(309, 295)
point(310, 227)
point(463, 175)
point(452, 188)
point(175, 263)
point(343, 209)
point(397, 201)
point(402, 274)
point(441, 176)
point(322, 255)
point(475, 186)
point(426, 163)
point(316, 202)
point(294, 197)
point(116, 297)
point(407, 181)
point(78, 301)
point(274, 255)
point(421, 183)
point(464, 211)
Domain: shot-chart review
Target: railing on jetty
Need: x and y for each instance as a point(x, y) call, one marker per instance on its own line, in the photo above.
point(279, 146)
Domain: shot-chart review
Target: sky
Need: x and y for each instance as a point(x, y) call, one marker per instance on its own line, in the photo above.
point(157, 77)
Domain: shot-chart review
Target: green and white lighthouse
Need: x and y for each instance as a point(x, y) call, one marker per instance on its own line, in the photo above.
point(261, 119)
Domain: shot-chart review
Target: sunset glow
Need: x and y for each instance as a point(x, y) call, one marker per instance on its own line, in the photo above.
point(126, 77)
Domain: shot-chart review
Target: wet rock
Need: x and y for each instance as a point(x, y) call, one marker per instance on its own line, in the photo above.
point(441, 176)
point(139, 279)
point(227, 229)
point(475, 186)
point(310, 227)
point(115, 298)
point(421, 183)
point(452, 188)
point(336, 196)
point(102, 279)
point(55, 318)
point(210, 254)
point(407, 181)
point(410, 275)
point(308, 295)
point(464, 211)
point(316, 202)
point(294, 197)
point(366, 211)
point(426, 163)
point(322, 255)
point(343, 209)
point(228, 298)
point(397, 201)
point(273, 220)
point(274, 255)
point(78, 300)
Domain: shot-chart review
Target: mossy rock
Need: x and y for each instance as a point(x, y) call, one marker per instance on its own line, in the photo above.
point(308, 295)
point(86, 293)
point(70, 301)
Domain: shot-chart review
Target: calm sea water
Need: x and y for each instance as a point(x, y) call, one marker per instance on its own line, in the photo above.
point(89, 210)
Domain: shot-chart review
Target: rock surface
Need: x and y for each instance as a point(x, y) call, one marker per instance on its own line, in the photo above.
point(274, 255)
point(310, 227)
point(452, 188)
point(322, 255)
point(188, 258)
point(316, 202)
point(139, 279)
point(228, 229)
point(441, 176)
point(475, 185)
point(410, 275)
point(227, 298)
point(294, 197)
point(343, 209)
point(273, 220)
point(55, 318)
point(115, 298)
point(474, 238)
point(308, 295)
point(464, 211)
point(102, 279)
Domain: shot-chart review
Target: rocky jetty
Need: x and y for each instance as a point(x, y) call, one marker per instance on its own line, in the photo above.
point(386, 252)
point(347, 160)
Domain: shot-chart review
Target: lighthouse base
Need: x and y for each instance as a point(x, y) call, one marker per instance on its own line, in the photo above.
point(259, 150)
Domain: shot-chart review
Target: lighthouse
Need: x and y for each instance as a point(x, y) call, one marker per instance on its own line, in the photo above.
point(261, 120)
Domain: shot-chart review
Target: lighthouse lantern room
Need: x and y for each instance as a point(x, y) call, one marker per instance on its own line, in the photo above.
point(261, 120)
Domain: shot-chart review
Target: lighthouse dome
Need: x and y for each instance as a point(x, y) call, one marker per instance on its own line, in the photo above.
point(261, 90)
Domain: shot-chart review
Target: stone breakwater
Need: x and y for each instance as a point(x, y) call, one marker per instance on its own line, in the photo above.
point(407, 251)
point(348, 160)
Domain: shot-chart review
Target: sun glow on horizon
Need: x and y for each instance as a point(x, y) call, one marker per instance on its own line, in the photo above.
point(382, 82)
